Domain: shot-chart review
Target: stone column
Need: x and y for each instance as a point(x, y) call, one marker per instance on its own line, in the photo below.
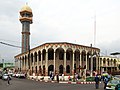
point(41, 64)
point(33, 64)
point(80, 66)
point(99, 64)
point(86, 61)
point(54, 64)
point(30, 65)
point(37, 64)
point(96, 63)
point(24, 65)
point(73, 64)
point(65, 63)
point(91, 72)
point(27, 64)
point(46, 64)
point(85, 66)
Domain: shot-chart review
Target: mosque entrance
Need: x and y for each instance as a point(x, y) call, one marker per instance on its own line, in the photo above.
point(50, 69)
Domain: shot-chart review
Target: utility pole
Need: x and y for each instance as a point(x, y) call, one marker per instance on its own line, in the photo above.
point(94, 29)
point(91, 57)
point(3, 62)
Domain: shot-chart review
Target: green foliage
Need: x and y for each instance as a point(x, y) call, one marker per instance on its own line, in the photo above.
point(90, 78)
point(1, 65)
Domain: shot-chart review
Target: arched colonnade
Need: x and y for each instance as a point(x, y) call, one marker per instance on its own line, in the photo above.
point(60, 58)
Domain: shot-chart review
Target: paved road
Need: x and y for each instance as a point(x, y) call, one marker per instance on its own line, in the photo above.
point(24, 84)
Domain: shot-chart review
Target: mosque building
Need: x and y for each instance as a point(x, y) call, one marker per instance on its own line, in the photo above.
point(58, 57)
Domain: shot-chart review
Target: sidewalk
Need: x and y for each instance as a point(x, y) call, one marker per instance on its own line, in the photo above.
point(46, 79)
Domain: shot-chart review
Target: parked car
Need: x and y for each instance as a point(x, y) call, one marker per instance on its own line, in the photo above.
point(117, 76)
point(20, 75)
point(112, 84)
point(5, 76)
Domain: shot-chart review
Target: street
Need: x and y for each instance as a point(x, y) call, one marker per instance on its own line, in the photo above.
point(24, 84)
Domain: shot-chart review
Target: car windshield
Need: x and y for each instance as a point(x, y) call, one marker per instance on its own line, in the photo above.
point(114, 81)
point(118, 76)
point(5, 74)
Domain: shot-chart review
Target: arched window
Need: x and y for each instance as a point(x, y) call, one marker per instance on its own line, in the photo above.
point(74, 68)
point(68, 55)
point(36, 69)
point(50, 54)
point(39, 55)
point(35, 55)
point(50, 69)
point(44, 54)
point(61, 69)
point(40, 69)
point(32, 58)
point(61, 55)
point(67, 69)
point(44, 70)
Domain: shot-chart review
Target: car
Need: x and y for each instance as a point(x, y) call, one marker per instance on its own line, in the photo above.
point(5, 76)
point(14, 75)
point(117, 87)
point(20, 75)
point(117, 76)
point(112, 84)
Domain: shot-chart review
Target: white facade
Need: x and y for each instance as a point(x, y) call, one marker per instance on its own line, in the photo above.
point(60, 58)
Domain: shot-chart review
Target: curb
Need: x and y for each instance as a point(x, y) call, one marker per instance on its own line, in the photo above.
point(67, 82)
point(78, 82)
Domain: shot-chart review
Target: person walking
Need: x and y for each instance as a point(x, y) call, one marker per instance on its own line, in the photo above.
point(8, 79)
point(97, 82)
point(105, 82)
point(57, 77)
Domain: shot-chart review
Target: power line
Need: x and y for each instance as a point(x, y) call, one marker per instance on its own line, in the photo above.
point(10, 45)
point(9, 40)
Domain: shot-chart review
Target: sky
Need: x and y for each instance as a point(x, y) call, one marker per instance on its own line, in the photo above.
point(70, 21)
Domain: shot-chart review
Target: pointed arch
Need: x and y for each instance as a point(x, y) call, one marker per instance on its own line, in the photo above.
point(69, 54)
point(44, 54)
point(60, 53)
point(50, 69)
point(39, 55)
point(50, 54)
point(68, 69)
point(35, 56)
point(61, 69)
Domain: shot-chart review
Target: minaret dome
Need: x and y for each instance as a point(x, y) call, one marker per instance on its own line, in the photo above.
point(26, 14)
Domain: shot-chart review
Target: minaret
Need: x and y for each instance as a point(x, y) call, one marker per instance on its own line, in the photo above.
point(26, 19)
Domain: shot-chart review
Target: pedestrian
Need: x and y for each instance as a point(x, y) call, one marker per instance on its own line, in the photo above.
point(105, 82)
point(62, 77)
point(57, 77)
point(97, 82)
point(8, 79)
point(52, 76)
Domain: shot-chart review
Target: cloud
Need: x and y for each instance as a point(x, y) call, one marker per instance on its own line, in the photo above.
point(61, 20)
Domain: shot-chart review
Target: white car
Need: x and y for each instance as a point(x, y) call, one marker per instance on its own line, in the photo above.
point(5, 77)
point(20, 75)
